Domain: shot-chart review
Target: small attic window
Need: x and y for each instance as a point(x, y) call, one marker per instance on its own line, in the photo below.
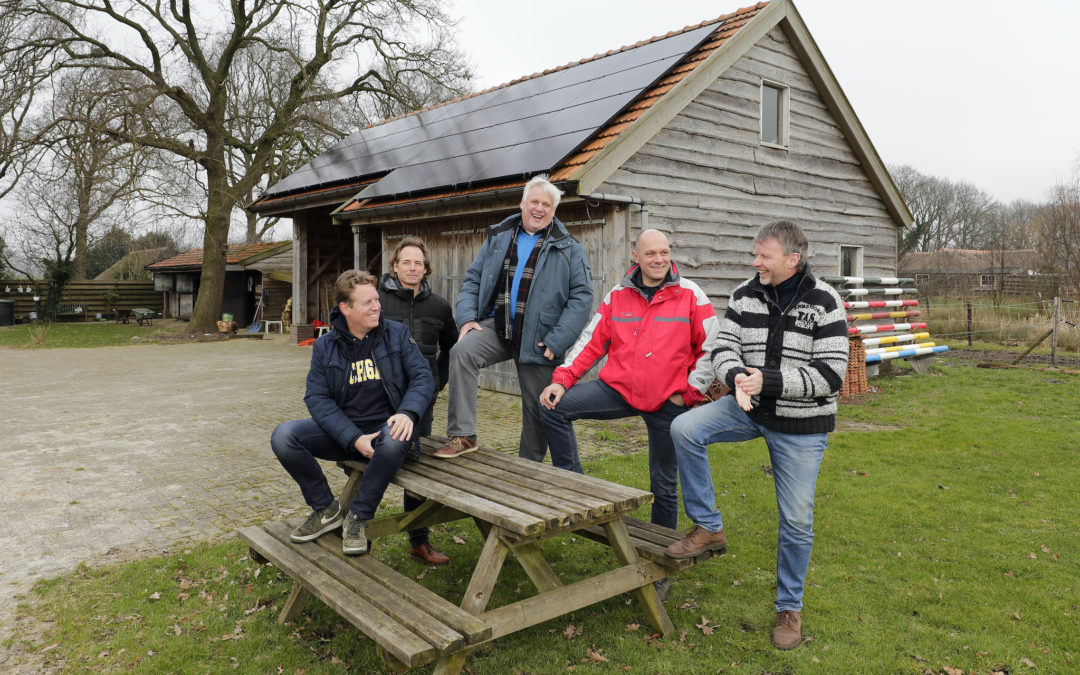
point(774, 113)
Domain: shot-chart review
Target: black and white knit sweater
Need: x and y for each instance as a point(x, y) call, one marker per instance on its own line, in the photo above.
point(802, 353)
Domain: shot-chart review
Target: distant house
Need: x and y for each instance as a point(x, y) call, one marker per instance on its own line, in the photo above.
point(249, 268)
point(961, 273)
point(705, 133)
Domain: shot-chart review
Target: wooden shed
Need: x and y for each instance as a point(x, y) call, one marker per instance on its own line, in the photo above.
point(249, 269)
point(705, 133)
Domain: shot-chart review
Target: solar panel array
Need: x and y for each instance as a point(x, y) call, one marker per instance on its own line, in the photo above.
point(516, 130)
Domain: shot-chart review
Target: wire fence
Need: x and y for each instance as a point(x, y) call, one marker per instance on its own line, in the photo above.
point(1016, 323)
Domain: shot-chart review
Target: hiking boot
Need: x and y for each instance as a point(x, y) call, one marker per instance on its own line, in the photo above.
point(696, 542)
point(458, 446)
point(427, 554)
point(788, 631)
point(354, 536)
point(318, 523)
point(662, 586)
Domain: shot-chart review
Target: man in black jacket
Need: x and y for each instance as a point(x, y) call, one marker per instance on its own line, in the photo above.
point(367, 387)
point(406, 297)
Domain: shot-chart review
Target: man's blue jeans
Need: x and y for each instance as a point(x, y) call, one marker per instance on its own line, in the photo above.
point(795, 461)
point(300, 443)
point(595, 400)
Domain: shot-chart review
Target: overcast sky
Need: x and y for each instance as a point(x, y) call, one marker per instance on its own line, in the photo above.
point(981, 91)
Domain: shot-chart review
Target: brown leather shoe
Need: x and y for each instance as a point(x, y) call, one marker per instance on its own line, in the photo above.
point(696, 542)
point(788, 631)
point(458, 446)
point(427, 554)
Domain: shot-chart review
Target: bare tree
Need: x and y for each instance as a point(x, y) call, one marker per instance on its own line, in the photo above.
point(27, 62)
point(179, 58)
point(1059, 230)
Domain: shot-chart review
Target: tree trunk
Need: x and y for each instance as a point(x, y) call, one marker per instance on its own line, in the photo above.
point(207, 308)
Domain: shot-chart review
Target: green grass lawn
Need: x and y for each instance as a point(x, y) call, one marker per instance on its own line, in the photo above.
point(87, 334)
point(946, 516)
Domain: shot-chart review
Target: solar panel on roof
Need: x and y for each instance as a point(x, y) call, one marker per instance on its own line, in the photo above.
point(513, 131)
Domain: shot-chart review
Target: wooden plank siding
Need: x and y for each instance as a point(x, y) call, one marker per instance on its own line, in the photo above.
point(711, 184)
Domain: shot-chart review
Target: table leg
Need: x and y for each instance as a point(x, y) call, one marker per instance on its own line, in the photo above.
point(619, 539)
point(294, 604)
point(477, 594)
point(537, 567)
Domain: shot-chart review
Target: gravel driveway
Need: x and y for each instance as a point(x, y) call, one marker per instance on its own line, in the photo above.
point(118, 451)
point(114, 453)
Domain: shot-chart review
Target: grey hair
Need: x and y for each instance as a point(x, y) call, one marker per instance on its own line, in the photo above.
point(791, 237)
point(541, 180)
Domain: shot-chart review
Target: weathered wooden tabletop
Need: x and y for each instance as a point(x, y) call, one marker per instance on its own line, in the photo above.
point(516, 503)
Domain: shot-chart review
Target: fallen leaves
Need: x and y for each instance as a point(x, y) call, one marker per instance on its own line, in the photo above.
point(704, 626)
point(571, 631)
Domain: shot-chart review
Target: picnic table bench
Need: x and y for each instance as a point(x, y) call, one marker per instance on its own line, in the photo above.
point(515, 504)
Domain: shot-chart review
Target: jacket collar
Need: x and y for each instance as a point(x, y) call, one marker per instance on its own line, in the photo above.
point(808, 281)
point(558, 230)
point(632, 278)
point(392, 285)
point(341, 327)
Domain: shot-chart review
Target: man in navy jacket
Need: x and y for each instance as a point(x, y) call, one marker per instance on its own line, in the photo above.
point(367, 387)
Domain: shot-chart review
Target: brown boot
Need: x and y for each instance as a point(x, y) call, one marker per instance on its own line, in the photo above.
point(458, 446)
point(788, 631)
point(427, 554)
point(696, 542)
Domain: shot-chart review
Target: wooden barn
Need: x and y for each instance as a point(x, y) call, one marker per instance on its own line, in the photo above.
point(705, 133)
point(249, 269)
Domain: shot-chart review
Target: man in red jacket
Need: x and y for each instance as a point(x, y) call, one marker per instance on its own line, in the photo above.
point(653, 327)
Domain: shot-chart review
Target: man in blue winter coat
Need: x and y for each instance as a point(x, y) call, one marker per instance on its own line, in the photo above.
point(525, 297)
point(367, 387)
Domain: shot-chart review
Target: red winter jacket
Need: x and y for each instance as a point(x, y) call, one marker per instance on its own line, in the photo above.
point(655, 349)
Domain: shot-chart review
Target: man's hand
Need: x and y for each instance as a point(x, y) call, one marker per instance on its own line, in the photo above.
point(552, 394)
point(678, 400)
point(746, 385)
point(365, 444)
point(548, 354)
point(400, 427)
point(468, 326)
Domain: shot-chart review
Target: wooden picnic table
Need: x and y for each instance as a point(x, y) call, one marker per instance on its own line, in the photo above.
point(515, 503)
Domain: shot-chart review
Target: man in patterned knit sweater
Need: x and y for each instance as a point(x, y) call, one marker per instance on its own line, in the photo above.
point(782, 350)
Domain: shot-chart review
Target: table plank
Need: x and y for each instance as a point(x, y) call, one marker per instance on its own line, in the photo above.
point(555, 512)
point(595, 507)
point(428, 601)
point(405, 646)
point(493, 512)
point(623, 498)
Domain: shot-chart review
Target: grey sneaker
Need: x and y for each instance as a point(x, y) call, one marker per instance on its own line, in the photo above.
point(354, 536)
point(319, 523)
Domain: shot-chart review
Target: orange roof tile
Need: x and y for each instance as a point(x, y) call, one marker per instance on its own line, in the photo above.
point(235, 253)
